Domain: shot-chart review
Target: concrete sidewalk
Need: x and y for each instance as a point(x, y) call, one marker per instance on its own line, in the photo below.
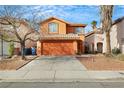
point(57, 69)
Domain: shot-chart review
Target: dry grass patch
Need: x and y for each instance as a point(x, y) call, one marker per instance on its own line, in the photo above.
point(102, 63)
point(14, 63)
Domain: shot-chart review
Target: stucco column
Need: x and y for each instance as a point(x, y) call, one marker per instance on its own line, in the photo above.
point(75, 46)
point(39, 47)
point(104, 42)
point(95, 46)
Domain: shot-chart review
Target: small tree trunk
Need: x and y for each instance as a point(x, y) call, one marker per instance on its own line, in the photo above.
point(108, 45)
point(1, 46)
point(23, 51)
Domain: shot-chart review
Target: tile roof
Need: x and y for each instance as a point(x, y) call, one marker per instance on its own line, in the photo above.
point(98, 31)
point(61, 37)
point(68, 23)
point(118, 20)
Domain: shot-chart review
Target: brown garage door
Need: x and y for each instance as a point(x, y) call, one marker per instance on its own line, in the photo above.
point(58, 48)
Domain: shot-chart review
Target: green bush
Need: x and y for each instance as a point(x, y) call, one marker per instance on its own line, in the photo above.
point(11, 49)
point(116, 51)
point(109, 55)
point(78, 53)
point(120, 57)
point(95, 52)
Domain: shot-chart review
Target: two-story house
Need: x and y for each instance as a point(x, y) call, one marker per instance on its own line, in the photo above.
point(96, 40)
point(59, 37)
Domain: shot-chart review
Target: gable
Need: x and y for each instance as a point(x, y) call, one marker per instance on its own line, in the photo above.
point(53, 18)
point(61, 26)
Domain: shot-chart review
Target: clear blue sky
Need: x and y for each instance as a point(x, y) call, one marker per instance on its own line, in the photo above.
point(73, 13)
point(77, 14)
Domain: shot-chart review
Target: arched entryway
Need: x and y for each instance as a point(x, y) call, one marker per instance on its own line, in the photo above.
point(99, 47)
point(92, 48)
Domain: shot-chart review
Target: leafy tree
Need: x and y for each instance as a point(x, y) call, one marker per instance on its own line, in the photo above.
point(94, 23)
point(11, 49)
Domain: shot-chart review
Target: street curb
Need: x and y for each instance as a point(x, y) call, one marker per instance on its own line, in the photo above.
point(62, 80)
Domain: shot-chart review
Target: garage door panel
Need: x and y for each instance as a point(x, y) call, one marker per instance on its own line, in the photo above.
point(58, 48)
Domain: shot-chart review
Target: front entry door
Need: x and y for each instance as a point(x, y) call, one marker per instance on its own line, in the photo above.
point(99, 47)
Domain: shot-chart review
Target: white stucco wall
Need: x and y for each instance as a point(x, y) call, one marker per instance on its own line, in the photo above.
point(104, 43)
point(5, 48)
point(98, 38)
point(94, 39)
point(116, 36)
point(90, 40)
point(113, 37)
point(122, 36)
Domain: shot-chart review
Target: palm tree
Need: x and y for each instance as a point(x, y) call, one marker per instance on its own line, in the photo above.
point(94, 23)
point(106, 19)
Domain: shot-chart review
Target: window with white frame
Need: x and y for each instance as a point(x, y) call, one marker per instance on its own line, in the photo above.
point(53, 27)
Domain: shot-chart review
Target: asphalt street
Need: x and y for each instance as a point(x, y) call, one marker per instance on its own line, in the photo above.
point(62, 84)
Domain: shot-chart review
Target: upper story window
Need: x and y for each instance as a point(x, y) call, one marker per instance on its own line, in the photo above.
point(79, 30)
point(53, 27)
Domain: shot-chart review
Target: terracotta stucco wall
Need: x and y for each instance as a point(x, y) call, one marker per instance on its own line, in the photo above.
point(61, 29)
point(39, 47)
point(70, 29)
point(75, 46)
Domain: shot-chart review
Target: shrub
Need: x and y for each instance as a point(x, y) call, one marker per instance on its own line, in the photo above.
point(78, 53)
point(108, 55)
point(116, 51)
point(11, 49)
point(95, 52)
point(120, 57)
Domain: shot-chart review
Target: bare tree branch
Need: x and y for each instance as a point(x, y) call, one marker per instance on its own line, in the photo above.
point(31, 39)
point(13, 17)
point(26, 35)
point(9, 40)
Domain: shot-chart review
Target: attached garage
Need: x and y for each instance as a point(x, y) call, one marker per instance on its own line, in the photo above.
point(59, 37)
point(58, 47)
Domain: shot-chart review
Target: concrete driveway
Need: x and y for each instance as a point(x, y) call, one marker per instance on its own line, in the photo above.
point(49, 68)
point(56, 69)
point(54, 63)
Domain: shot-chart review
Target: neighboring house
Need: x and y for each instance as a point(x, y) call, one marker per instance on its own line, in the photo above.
point(94, 41)
point(116, 35)
point(5, 48)
point(59, 37)
point(23, 29)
